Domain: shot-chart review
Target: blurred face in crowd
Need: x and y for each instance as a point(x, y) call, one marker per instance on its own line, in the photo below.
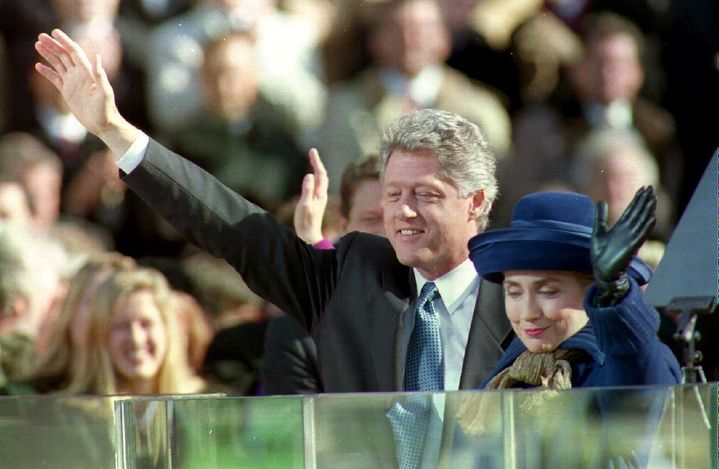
point(85, 10)
point(247, 5)
point(44, 185)
point(458, 13)
point(620, 173)
point(247, 12)
point(412, 37)
point(13, 203)
point(425, 218)
point(137, 340)
point(365, 213)
point(614, 66)
point(49, 291)
point(544, 307)
point(230, 78)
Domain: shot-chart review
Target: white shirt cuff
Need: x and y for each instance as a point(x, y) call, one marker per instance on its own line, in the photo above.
point(135, 154)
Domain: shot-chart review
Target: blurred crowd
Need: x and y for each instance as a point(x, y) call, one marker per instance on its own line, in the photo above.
point(595, 96)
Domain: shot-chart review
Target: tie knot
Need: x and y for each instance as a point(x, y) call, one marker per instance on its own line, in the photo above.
point(429, 291)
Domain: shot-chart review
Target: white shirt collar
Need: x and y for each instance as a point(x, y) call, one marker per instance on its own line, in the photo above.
point(616, 115)
point(423, 89)
point(454, 285)
point(61, 126)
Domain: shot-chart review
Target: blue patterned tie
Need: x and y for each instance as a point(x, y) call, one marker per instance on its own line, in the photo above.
point(409, 417)
point(424, 369)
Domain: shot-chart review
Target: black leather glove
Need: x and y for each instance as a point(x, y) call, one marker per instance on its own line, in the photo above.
point(612, 250)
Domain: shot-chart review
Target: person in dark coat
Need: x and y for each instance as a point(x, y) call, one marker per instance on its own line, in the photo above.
point(360, 300)
point(574, 293)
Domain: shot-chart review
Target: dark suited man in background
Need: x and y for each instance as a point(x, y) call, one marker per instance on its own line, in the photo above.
point(289, 361)
point(360, 301)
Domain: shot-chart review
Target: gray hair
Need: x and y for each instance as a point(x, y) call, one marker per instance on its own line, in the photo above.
point(21, 249)
point(464, 156)
point(598, 145)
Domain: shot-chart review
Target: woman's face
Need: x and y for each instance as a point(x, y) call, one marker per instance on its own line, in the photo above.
point(544, 307)
point(138, 338)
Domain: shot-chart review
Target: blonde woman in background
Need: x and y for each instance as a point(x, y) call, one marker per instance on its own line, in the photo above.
point(132, 344)
point(69, 331)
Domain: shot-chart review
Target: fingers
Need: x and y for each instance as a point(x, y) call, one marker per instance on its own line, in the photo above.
point(50, 74)
point(74, 51)
point(646, 219)
point(600, 219)
point(317, 166)
point(61, 52)
point(631, 211)
point(639, 217)
point(643, 231)
point(643, 203)
point(308, 189)
point(320, 173)
point(52, 53)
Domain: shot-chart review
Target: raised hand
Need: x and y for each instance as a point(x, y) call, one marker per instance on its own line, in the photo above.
point(612, 250)
point(85, 88)
point(311, 206)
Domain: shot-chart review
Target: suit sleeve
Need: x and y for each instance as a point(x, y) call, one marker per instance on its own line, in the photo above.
point(275, 263)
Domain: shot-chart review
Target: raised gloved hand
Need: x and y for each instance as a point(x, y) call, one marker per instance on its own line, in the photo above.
point(612, 250)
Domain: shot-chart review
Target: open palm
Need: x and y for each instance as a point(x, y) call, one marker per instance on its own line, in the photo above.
point(84, 87)
point(612, 250)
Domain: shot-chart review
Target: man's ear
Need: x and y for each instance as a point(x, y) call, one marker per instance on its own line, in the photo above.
point(477, 205)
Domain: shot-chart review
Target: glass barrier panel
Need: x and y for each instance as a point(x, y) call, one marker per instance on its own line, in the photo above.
point(57, 432)
point(654, 427)
point(618, 427)
point(215, 432)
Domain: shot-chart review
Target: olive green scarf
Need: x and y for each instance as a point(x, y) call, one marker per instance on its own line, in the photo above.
point(551, 370)
point(478, 413)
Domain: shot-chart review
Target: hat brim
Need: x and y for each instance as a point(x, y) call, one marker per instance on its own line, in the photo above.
point(497, 251)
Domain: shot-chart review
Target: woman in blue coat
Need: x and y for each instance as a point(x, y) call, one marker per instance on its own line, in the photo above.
point(572, 295)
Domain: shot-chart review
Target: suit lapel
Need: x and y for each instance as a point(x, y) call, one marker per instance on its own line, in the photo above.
point(489, 334)
point(386, 326)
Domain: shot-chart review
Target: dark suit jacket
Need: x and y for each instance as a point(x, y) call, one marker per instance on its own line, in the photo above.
point(289, 359)
point(350, 298)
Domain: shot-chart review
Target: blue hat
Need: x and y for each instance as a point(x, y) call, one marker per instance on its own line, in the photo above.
point(549, 231)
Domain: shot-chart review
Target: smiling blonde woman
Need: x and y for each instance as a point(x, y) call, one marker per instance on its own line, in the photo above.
point(132, 345)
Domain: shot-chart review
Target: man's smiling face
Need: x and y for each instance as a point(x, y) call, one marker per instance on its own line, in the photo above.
point(426, 219)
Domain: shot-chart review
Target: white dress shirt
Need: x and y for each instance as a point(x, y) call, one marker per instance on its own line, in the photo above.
point(134, 155)
point(458, 290)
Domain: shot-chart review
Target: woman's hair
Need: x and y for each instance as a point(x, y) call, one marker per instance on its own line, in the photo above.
point(464, 156)
point(54, 362)
point(585, 279)
point(93, 370)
